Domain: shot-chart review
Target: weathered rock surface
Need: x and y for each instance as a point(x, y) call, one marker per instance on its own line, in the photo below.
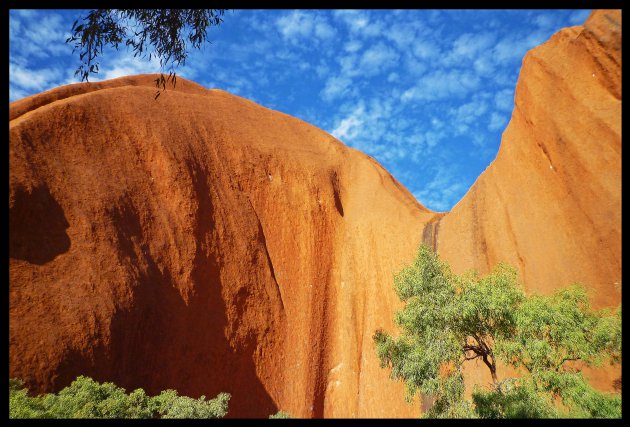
point(204, 243)
point(550, 203)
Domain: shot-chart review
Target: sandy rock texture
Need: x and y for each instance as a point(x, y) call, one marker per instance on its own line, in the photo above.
point(550, 203)
point(205, 243)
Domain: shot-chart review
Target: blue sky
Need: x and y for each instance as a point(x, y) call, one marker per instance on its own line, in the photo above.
point(427, 93)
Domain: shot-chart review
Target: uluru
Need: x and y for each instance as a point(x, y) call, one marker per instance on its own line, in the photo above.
point(204, 243)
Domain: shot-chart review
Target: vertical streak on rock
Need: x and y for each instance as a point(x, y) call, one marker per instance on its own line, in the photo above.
point(319, 333)
point(480, 246)
point(430, 231)
point(435, 231)
point(427, 234)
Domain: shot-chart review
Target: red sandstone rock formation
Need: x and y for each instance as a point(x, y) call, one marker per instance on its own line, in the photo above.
point(204, 243)
point(550, 203)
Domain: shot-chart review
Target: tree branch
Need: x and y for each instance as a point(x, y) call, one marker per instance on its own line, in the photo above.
point(472, 358)
point(476, 349)
point(566, 359)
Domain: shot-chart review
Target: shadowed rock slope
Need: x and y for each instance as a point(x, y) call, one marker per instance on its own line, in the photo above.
point(204, 243)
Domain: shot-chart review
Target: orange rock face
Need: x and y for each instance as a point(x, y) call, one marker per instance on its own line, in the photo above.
point(550, 203)
point(204, 243)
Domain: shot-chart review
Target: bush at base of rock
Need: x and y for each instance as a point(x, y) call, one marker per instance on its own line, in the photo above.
point(86, 398)
point(280, 414)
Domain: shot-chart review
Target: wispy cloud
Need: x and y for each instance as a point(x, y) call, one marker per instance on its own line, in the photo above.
point(497, 121)
point(442, 84)
point(350, 126)
point(365, 125)
point(353, 45)
point(468, 47)
point(403, 35)
point(299, 25)
point(336, 87)
point(467, 115)
point(356, 20)
point(295, 25)
point(38, 80)
point(127, 66)
point(377, 58)
point(504, 100)
point(43, 40)
point(443, 191)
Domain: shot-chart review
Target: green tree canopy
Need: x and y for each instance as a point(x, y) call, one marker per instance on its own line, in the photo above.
point(86, 398)
point(449, 319)
point(161, 33)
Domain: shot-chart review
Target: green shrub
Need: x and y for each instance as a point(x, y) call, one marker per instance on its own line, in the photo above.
point(86, 398)
point(169, 405)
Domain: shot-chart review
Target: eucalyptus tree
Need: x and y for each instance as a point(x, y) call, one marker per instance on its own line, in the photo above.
point(161, 33)
point(451, 319)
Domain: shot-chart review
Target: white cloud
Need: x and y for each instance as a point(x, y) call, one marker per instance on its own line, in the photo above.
point(442, 191)
point(403, 35)
point(497, 121)
point(401, 124)
point(349, 65)
point(366, 126)
point(442, 84)
point(324, 31)
point(509, 50)
point(37, 34)
point(25, 13)
point(299, 25)
point(378, 58)
point(295, 24)
point(32, 81)
point(469, 46)
point(437, 123)
point(287, 55)
point(358, 23)
point(536, 38)
point(504, 100)
point(514, 48)
point(433, 137)
point(126, 65)
point(421, 145)
point(335, 87)
point(469, 112)
point(372, 30)
point(16, 93)
point(349, 127)
point(354, 19)
point(15, 26)
point(425, 50)
point(322, 70)
point(484, 66)
point(352, 45)
point(479, 140)
point(414, 67)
